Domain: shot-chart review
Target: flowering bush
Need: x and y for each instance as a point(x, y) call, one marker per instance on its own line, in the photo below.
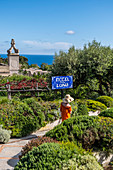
point(26, 84)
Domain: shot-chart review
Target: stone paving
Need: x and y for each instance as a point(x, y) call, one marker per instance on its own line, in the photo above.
point(9, 153)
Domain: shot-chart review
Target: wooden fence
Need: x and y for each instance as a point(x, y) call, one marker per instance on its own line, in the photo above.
point(10, 91)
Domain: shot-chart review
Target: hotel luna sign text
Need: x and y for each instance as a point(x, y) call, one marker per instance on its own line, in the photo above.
point(62, 82)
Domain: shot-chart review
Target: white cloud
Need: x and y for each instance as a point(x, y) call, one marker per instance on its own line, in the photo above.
point(48, 45)
point(70, 32)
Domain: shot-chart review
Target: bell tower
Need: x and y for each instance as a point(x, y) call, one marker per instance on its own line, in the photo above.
point(13, 58)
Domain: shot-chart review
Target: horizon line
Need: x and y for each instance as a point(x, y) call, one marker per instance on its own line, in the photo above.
point(31, 54)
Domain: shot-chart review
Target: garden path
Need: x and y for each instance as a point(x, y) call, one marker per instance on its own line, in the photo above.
point(9, 153)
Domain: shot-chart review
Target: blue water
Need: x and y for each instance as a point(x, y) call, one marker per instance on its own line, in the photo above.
point(36, 59)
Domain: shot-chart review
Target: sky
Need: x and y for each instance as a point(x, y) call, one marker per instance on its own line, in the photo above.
point(48, 26)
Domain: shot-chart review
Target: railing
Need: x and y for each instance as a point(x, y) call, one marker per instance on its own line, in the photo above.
point(10, 91)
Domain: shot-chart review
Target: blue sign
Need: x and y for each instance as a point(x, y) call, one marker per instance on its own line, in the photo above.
point(62, 82)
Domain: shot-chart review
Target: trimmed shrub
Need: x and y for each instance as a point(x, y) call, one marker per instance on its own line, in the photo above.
point(86, 162)
point(91, 131)
point(46, 156)
point(51, 156)
point(35, 143)
point(4, 135)
point(108, 101)
point(95, 105)
point(107, 113)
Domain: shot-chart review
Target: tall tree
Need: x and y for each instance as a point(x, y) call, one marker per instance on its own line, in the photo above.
point(92, 66)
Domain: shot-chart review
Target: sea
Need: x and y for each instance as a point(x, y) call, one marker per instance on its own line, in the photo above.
point(36, 59)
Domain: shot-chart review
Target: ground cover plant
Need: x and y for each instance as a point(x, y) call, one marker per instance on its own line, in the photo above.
point(91, 131)
point(53, 156)
point(108, 101)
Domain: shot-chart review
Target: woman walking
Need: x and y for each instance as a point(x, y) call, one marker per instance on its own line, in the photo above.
point(65, 107)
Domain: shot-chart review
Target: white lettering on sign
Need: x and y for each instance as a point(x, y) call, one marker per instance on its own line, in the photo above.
point(62, 79)
point(62, 85)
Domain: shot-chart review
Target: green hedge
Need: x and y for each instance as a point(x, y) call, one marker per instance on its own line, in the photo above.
point(107, 113)
point(91, 131)
point(108, 101)
point(95, 105)
point(53, 156)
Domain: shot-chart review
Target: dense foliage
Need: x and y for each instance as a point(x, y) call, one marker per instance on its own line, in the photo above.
point(19, 118)
point(107, 113)
point(45, 66)
point(14, 78)
point(95, 105)
point(91, 67)
point(51, 110)
point(108, 101)
point(37, 109)
point(81, 108)
point(23, 61)
point(91, 131)
point(3, 60)
point(35, 143)
point(25, 116)
point(86, 162)
point(53, 156)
